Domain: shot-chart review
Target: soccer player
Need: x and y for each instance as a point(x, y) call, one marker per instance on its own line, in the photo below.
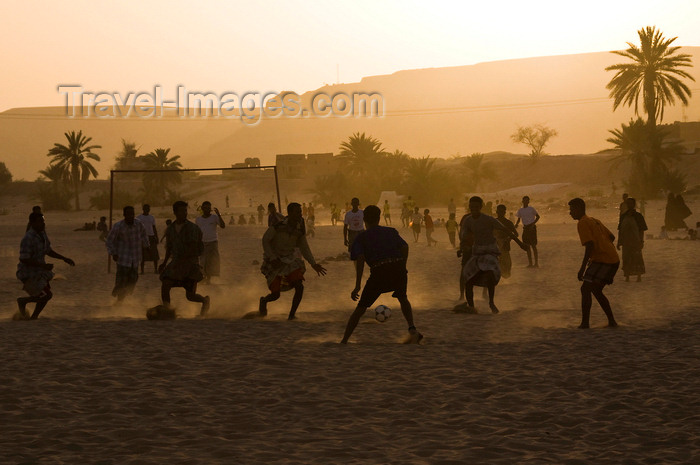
point(183, 242)
point(150, 253)
point(416, 220)
point(208, 223)
point(33, 270)
point(273, 216)
point(126, 243)
point(482, 269)
point(429, 227)
point(600, 262)
point(282, 267)
point(386, 253)
point(451, 226)
point(503, 240)
point(352, 224)
point(387, 213)
point(529, 217)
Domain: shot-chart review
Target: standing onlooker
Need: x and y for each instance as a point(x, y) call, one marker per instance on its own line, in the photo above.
point(273, 216)
point(261, 213)
point(429, 227)
point(210, 261)
point(600, 262)
point(452, 227)
point(125, 243)
point(529, 216)
point(353, 223)
point(416, 220)
point(151, 252)
point(631, 240)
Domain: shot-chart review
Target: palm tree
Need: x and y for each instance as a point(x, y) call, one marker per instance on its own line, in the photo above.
point(127, 158)
point(361, 152)
point(156, 183)
point(330, 188)
point(648, 153)
point(72, 160)
point(423, 180)
point(476, 170)
point(54, 196)
point(654, 73)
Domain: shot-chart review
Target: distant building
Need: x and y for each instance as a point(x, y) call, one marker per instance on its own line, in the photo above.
point(688, 134)
point(312, 165)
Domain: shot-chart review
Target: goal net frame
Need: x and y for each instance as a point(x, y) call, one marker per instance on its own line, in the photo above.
point(182, 170)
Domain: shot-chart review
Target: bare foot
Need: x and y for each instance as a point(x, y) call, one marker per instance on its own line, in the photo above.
point(493, 308)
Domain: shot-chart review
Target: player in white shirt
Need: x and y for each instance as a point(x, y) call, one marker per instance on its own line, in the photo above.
point(151, 253)
point(208, 223)
point(354, 223)
point(529, 217)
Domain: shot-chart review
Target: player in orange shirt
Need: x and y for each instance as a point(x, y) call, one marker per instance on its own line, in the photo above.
point(600, 262)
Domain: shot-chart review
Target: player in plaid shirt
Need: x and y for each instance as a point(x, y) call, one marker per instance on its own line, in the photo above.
point(125, 243)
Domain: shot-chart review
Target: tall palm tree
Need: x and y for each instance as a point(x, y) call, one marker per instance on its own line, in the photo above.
point(654, 74)
point(128, 158)
point(423, 180)
point(72, 159)
point(156, 183)
point(361, 153)
point(476, 170)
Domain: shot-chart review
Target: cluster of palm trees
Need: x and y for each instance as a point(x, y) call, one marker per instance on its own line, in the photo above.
point(655, 75)
point(369, 169)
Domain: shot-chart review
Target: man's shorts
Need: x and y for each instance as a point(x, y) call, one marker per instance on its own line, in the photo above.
point(352, 234)
point(530, 234)
point(391, 277)
point(601, 273)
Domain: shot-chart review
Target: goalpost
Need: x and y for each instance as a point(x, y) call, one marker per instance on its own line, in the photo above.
point(183, 170)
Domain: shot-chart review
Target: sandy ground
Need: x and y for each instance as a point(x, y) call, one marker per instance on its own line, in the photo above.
point(93, 383)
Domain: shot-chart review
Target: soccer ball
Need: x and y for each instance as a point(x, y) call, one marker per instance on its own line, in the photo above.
point(382, 313)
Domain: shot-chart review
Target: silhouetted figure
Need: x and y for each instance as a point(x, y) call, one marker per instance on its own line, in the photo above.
point(210, 260)
point(102, 228)
point(600, 261)
point(35, 209)
point(33, 270)
point(386, 253)
point(282, 267)
point(623, 205)
point(416, 220)
point(483, 268)
point(631, 240)
point(387, 213)
point(273, 216)
point(529, 216)
point(311, 226)
point(452, 227)
point(183, 243)
point(125, 243)
point(429, 227)
point(353, 223)
point(150, 254)
point(465, 253)
point(241, 219)
point(251, 220)
point(503, 240)
point(261, 213)
point(676, 212)
point(227, 201)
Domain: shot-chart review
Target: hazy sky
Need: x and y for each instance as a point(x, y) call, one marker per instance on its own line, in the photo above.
point(241, 46)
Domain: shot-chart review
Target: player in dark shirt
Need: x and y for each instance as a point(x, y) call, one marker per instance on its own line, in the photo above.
point(386, 253)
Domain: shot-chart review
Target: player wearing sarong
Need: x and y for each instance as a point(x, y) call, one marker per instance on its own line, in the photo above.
point(33, 270)
point(386, 253)
point(600, 262)
point(125, 243)
point(482, 269)
point(183, 243)
point(282, 266)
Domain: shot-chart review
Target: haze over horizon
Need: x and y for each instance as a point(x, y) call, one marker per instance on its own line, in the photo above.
point(239, 47)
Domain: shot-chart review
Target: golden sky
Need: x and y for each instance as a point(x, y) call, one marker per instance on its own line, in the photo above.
point(241, 46)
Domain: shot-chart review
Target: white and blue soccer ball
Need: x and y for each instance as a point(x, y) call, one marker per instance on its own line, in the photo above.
point(382, 313)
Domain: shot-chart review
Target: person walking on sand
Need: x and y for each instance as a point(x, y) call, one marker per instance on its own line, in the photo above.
point(352, 224)
point(386, 253)
point(483, 268)
point(283, 268)
point(631, 240)
point(503, 240)
point(416, 220)
point(429, 227)
point(387, 213)
point(600, 262)
point(210, 259)
point(183, 243)
point(126, 242)
point(32, 270)
point(452, 227)
point(529, 216)
point(151, 252)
